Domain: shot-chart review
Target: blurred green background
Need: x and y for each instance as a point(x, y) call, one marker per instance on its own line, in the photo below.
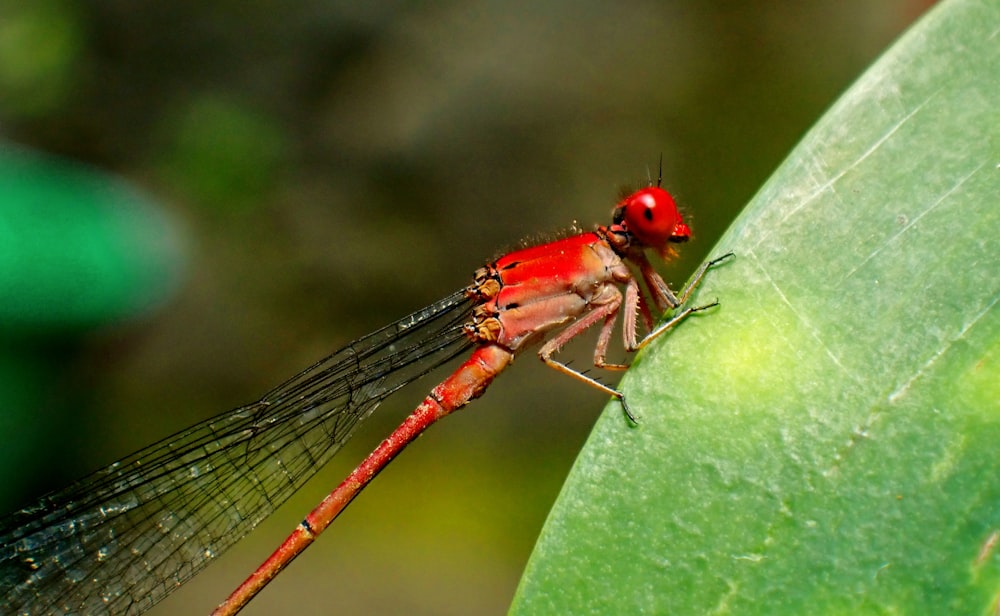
point(326, 167)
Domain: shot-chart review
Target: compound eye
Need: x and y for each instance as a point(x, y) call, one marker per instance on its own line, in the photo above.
point(651, 216)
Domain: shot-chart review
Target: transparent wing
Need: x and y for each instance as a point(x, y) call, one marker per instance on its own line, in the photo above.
point(121, 539)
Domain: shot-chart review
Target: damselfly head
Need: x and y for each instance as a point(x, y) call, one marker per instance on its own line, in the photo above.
point(651, 216)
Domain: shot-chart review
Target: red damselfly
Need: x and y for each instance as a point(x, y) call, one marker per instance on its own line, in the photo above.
point(121, 539)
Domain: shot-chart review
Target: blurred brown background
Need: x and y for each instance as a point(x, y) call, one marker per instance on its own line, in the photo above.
point(336, 165)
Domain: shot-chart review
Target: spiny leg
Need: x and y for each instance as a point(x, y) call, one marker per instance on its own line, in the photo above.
point(698, 275)
point(607, 312)
point(682, 299)
point(674, 320)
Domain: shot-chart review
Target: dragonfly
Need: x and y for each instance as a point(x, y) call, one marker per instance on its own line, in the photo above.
point(121, 539)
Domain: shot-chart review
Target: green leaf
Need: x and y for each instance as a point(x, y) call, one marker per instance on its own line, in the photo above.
point(826, 441)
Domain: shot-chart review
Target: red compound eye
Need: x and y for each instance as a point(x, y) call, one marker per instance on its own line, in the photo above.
point(651, 216)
